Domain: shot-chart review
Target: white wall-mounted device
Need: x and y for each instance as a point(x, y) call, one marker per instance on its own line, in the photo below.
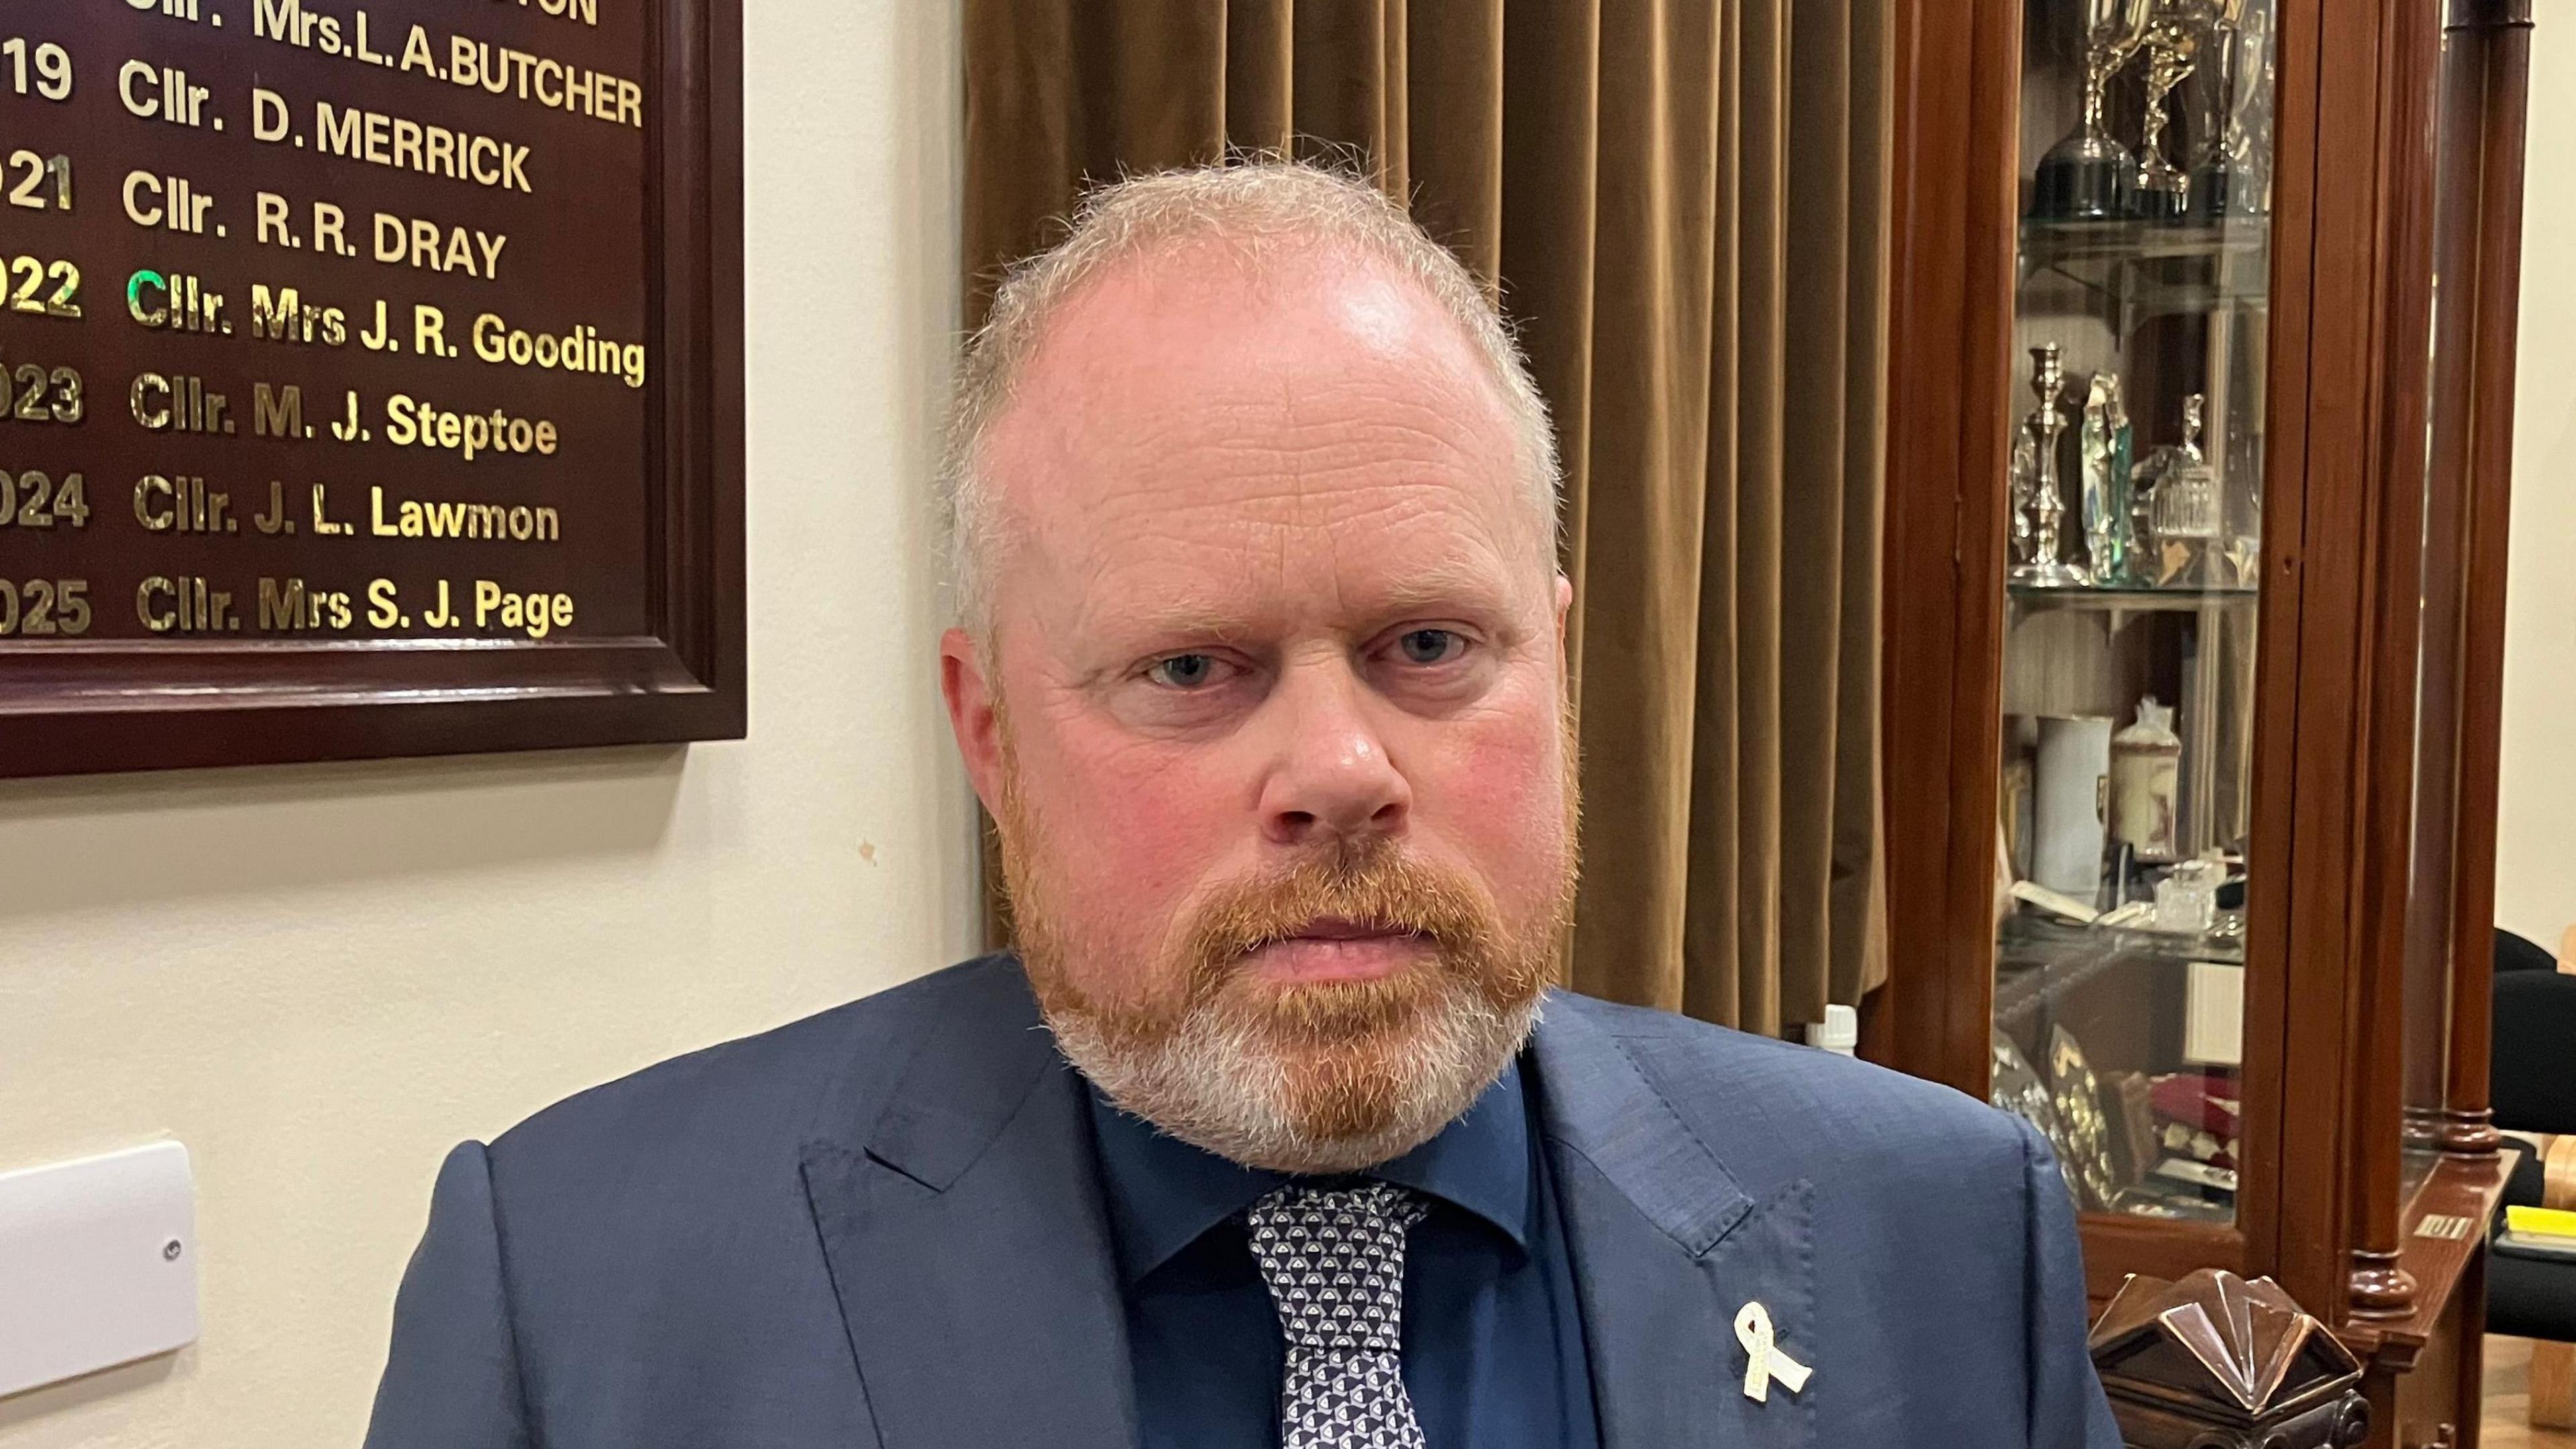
point(98, 1264)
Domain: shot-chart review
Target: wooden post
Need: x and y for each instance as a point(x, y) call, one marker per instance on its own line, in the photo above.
point(2493, 297)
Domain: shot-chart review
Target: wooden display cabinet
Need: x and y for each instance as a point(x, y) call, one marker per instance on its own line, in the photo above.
point(2252, 1009)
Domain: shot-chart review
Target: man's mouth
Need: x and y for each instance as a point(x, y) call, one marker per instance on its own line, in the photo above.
point(1334, 948)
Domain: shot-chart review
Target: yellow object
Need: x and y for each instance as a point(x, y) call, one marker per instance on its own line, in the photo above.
point(2541, 1222)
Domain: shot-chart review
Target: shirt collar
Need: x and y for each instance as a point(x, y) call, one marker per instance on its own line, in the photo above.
point(1164, 1193)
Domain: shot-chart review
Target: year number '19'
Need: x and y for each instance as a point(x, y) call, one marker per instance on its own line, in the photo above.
point(33, 394)
point(44, 607)
point(53, 77)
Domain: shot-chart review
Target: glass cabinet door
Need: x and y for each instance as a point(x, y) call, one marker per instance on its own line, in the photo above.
point(2134, 563)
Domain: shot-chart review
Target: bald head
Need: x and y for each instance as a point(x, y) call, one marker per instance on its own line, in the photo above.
point(1129, 353)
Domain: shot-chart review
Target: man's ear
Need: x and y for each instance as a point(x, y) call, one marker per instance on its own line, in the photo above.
point(1564, 609)
point(971, 716)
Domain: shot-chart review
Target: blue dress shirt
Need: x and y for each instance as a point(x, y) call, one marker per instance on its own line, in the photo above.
point(1494, 1355)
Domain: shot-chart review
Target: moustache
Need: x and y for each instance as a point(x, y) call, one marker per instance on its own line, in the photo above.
point(1365, 886)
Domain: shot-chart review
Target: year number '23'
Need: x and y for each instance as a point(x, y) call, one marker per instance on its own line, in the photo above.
point(32, 394)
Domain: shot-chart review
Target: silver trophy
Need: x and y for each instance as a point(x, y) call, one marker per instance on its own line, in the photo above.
point(2176, 33)
point(2039, 511)
point(2244, 528)
point(2106, 443)
point(2177, 502)
point(2234, 175)
point(2086, 177)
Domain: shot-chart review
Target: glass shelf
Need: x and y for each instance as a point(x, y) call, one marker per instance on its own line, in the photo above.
point(2142, 270)
point(2141, 1142)
point(2090, 599)
point(2103, 244)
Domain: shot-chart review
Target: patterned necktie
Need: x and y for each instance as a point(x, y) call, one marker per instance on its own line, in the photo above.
point(1334, 1260)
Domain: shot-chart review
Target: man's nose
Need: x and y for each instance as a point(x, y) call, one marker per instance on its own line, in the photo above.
point(1331, 775)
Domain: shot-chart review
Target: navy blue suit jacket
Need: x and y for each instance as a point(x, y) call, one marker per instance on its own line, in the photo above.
point(883, 1226)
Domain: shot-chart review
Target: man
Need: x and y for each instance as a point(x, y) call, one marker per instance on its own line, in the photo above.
point(1271, 1134)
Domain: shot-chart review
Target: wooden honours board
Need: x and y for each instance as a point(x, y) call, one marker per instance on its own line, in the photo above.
point(370, 378)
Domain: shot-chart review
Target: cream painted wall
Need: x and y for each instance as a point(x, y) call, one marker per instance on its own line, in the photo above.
point(320, 978)
point(2536, 826)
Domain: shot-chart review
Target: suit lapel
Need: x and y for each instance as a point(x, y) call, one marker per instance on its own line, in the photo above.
point(968, 1244)
point(1668, 1249)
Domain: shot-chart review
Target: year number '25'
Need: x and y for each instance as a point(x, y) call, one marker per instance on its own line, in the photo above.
point(44, 606)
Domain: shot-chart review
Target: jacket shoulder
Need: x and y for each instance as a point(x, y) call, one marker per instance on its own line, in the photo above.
point(762, 1087)
point(1777, 1111)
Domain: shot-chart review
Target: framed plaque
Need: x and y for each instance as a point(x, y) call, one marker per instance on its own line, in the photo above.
point(370, 378)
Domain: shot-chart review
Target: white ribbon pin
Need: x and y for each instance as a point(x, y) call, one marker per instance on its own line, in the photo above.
point(1764, 1359)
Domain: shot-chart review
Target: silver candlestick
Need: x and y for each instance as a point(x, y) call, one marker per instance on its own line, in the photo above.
point(2038, 533)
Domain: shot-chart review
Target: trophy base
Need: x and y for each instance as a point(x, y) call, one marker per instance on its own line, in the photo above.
point(2082, 178)
point(2051, 574)
point(2226, 195)
point(2160, 193)
point(2106, 561)
point(2193, 563)
point(2221, 194)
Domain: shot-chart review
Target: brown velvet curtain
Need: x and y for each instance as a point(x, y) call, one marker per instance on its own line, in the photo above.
point(1684, 206)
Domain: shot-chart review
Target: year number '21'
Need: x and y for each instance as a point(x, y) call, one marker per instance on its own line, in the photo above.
point(32, 172)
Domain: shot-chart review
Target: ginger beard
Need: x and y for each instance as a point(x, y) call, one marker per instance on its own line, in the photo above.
point(1309, 1077)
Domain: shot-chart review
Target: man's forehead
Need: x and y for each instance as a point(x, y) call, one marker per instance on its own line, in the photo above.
point(1309, 389)
point(1214, 302)
point(1452, 573)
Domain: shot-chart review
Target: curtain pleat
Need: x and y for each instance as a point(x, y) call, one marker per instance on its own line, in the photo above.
point(1683, 205)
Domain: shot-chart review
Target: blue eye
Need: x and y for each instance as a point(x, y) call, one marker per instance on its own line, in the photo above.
point(1184, 671)
point(1428, 646)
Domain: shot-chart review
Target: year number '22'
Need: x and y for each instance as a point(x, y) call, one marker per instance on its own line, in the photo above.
point(29, 281)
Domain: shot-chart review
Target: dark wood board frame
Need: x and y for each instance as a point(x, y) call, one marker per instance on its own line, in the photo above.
point(112, 705)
